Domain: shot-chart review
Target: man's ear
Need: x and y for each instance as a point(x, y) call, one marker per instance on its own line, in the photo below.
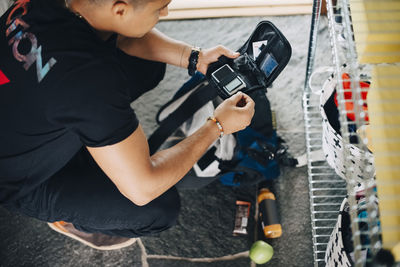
point(119, 8)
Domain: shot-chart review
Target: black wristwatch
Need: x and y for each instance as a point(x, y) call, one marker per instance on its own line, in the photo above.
point(193, 59)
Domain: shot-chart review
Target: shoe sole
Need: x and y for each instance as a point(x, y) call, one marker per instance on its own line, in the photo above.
point(112, 247)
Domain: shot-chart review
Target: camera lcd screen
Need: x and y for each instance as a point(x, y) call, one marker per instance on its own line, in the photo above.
point(233, 85)
point(269, 64)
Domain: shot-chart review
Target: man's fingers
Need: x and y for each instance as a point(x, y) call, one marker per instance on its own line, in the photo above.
point(247, 104)
point(242, 102)
point(236, 97)
point(232, 54)
point(245, 100)
point(229, 53)
point(249, 101)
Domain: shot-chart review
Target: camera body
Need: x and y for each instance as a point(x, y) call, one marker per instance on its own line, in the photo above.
point(227, 79)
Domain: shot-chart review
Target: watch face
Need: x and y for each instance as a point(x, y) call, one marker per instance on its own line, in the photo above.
point(198, 49)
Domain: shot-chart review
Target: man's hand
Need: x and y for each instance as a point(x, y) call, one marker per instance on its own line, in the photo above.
point(235, 113)
point(210, 55)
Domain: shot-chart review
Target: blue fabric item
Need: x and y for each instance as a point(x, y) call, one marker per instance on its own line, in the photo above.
point(247, 136)
point(256, 152)
point(229, 179)
point(250, 138)
point(270, 171)
point(363, 214)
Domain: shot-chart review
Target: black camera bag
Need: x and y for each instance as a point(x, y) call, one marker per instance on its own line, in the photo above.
point(250, 70)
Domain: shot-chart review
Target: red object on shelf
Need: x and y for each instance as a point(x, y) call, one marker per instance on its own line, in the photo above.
point(348, 96)
point(3, 78)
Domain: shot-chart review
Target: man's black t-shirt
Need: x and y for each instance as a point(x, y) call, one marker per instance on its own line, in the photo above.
point(61, 87)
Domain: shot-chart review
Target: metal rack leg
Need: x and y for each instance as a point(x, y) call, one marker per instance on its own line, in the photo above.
point(316, 13)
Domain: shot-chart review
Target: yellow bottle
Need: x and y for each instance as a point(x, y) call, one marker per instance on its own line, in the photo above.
point(269, 214)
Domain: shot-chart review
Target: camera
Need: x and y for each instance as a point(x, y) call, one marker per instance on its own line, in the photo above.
point(228, 80)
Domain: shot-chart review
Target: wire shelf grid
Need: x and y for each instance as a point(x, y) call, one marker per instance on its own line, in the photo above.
point(327, 190)
point(353, 116)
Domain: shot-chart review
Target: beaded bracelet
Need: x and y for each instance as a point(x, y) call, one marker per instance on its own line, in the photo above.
point(221, 130)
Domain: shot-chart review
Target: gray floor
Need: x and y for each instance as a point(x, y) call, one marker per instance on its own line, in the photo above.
point(206, 221)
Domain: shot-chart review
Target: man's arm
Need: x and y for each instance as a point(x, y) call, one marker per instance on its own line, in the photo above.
point(142, 178)
point(157, 46)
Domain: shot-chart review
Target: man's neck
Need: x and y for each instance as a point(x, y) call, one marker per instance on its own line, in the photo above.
point(80, 11)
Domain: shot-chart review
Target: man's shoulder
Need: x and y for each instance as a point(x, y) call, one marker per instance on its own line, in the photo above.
point(50, 41)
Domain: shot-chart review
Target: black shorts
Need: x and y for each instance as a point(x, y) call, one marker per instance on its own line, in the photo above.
point(82, 194)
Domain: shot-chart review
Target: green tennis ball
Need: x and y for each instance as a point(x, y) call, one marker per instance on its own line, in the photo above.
point(261, 252)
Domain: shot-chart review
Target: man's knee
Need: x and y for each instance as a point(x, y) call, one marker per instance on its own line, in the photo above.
point(166, 209)
point(157, 216)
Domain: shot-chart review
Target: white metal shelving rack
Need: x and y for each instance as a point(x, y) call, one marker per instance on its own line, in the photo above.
point(324, 202)
point(327, 190)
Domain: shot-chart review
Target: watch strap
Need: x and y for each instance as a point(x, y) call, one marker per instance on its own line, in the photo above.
point(193, 59)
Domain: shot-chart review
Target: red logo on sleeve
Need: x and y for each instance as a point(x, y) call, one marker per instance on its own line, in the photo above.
point(3, 78)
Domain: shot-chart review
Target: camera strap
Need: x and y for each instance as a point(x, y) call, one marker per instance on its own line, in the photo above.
point(197, 99)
